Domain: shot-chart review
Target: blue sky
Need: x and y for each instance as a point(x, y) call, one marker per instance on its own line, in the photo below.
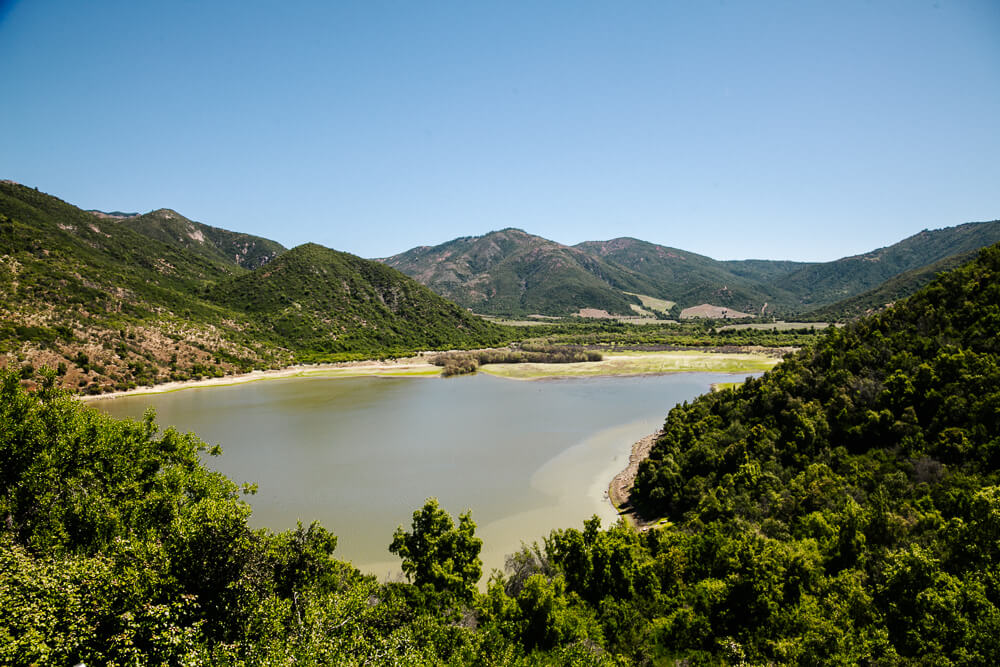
point(783, 130)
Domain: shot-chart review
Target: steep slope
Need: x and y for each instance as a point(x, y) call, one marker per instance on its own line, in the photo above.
point(243, 250)
point(865, 468)
point(333, 302)
point(109, 307)
point(511, 272)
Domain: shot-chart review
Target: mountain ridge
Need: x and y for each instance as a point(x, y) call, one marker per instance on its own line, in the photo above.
point(113, 304)
point(244, 250)
point(625, 266)
point(512, 271)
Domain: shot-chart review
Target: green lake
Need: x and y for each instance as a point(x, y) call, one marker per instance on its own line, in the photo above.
point(361, 454)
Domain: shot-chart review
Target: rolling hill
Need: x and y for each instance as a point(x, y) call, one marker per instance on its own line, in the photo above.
point(333, 302)
point(512, 272)
point(691, 279)
point(893, 290)
point(114, 302)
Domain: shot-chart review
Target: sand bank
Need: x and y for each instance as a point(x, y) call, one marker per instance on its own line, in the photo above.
point(619, 492)
point(410, 366)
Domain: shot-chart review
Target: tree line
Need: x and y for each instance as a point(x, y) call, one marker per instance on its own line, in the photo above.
point(459, 363)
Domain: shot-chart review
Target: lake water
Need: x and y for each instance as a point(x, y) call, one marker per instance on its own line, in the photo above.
point(361, 454)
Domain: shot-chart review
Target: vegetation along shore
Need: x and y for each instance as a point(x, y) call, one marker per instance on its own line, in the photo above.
point(424, 365)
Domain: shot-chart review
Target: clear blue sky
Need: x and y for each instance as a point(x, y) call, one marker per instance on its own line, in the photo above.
point(800, 130)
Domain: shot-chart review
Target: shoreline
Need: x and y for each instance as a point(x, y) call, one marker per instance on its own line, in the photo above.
point(619, 491)
point(615, 364)
point(417, 366)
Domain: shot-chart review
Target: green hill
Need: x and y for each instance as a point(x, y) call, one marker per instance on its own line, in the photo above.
point(510, 272)
point(794, 288)
point(843, 508)
point(691, 279)
point(322, 301)
point(823, 284)
point(895, 289)
point(244, 250)
point(118, 302)
point(108, 306)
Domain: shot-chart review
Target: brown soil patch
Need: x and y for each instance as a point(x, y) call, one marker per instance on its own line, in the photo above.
point(594, 313)
point(707, 310)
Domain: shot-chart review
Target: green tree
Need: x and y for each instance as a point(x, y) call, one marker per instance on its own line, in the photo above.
point(438, 554)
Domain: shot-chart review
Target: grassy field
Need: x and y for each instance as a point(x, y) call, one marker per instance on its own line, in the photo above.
point(653, 303)
point(779, 326)
point(380, 371)
point(722, 386)
point(638, 363)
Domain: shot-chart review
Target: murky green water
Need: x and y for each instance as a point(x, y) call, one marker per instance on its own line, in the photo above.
point(360, 454)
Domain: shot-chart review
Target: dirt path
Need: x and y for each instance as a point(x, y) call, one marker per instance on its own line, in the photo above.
point(621, 485)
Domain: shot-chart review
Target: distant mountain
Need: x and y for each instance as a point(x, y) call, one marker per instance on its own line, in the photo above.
point(114, 303)
point(691, 279)
point(244, 250)
point(512, 272)
point(330, 302)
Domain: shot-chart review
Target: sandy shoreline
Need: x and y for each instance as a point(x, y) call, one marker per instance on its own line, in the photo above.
point(409, 366)
point(614, 364)
point(619, 490)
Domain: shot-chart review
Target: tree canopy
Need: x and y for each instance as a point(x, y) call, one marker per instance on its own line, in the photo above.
point(439, 554)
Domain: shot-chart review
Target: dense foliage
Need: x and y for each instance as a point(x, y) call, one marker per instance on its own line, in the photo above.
point(846, 503)
point(324, 302)
point(117, 546)
point(459, 363)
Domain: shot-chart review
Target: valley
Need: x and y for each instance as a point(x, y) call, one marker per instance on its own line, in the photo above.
point(828, 498)
point(119, 301)
point(500, 334)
